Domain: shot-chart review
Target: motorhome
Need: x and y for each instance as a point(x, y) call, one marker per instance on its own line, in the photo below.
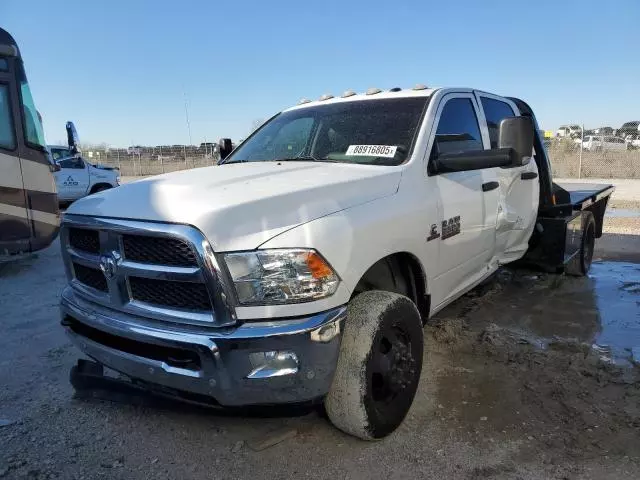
point(29, 216)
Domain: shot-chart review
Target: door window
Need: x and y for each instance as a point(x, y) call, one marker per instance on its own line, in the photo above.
point(59, 153)
point(7, 133)
point(458, 128)
point(495, 111)
point(76, 163)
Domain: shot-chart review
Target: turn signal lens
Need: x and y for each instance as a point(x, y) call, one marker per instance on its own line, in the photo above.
point(317, 266)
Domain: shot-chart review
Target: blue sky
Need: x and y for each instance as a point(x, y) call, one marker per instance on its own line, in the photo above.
point(121, 69)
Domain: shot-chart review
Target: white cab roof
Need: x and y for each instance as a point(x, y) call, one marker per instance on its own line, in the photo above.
point(384, 94)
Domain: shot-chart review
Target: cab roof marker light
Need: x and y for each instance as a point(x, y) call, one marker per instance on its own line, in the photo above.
point(326, 96)
point(304, 100)
point(373, 91)
point(395, 89)
point(348, 93)
point(420, 86)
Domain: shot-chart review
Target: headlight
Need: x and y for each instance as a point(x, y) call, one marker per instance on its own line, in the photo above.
point(267, 277)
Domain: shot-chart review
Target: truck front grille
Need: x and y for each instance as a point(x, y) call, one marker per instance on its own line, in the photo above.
point(84, 240)
point(190, 296)
point(164, 272)
point(158, 251)
point(91, 277)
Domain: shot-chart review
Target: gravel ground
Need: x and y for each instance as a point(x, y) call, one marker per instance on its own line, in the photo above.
point(512, 387)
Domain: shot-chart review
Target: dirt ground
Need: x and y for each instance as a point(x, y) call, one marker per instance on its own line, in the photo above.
point(530, 376)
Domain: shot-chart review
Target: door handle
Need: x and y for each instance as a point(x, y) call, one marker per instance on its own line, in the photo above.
point(529, 175)
point(486, 187)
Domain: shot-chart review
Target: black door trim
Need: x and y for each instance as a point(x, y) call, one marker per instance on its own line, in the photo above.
point(486, 187)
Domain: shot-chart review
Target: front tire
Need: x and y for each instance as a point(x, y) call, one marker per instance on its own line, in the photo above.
point(580, 264)
point(379, 365)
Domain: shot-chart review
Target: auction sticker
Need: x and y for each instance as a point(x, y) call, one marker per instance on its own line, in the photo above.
point(387, 151)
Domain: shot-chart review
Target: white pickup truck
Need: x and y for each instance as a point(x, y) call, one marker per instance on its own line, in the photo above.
point(77, 178)
point(303, 267)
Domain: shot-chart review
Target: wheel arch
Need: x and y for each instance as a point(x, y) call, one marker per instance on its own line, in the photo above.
point(399, 272)
point(100, 185)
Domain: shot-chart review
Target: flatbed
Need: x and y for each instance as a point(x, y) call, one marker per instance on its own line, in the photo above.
point(583, 195)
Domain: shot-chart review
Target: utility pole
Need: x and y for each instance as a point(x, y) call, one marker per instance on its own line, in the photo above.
point(580, 157)
point(186, 112)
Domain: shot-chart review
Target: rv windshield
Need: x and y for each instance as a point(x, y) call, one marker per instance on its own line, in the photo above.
point(33, 132)
point(374, 132)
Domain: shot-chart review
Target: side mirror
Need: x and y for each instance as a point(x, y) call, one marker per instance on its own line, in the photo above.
point(224, 147)
point(471, 160)
point(72, 138)
point(54, 167)
point(516, 134)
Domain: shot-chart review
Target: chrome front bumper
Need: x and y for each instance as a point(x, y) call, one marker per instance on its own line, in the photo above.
point(222, 366)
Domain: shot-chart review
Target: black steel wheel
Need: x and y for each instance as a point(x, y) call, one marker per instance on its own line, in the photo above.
point(379, 365)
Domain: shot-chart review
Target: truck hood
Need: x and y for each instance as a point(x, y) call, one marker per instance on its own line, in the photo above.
point(240, 206)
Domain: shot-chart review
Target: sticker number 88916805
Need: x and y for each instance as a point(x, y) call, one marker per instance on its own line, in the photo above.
point(372, 150)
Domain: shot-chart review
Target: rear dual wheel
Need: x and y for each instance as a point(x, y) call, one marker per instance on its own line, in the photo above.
point(580, 264)
point(379, 365)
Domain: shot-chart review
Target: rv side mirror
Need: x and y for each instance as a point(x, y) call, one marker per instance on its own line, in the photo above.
point(224, 147)
point(516, 133)
point(72, 138)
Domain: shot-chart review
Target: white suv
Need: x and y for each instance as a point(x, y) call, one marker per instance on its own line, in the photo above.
point(596, 143)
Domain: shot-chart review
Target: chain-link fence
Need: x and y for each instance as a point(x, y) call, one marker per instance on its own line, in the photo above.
point(604, 152)
point(575, 152)
point(142, 161)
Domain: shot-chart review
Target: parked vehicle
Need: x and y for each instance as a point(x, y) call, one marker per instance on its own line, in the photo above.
point(77, 178)
point(29, 217)
point(632, 141)
point(596, 143)
point(302, 268)
point(569, 131)
point(604, 131)
point(135, 150)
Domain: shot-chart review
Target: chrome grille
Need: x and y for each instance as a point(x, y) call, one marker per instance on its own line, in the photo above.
point(84, 240)
point(165, 272)
point(159, 251)
point(91, 277)
point(192, 296)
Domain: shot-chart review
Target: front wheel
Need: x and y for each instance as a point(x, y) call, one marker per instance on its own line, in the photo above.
point(379, 365)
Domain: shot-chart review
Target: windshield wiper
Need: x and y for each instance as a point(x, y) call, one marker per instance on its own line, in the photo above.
point(302, 158)
point(306, 158)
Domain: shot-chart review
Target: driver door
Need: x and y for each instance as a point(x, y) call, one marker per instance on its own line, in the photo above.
point(73, 178)
point(467, 200)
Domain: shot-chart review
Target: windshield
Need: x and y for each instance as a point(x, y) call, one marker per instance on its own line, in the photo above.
point(34, 133)
point(375, 132)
